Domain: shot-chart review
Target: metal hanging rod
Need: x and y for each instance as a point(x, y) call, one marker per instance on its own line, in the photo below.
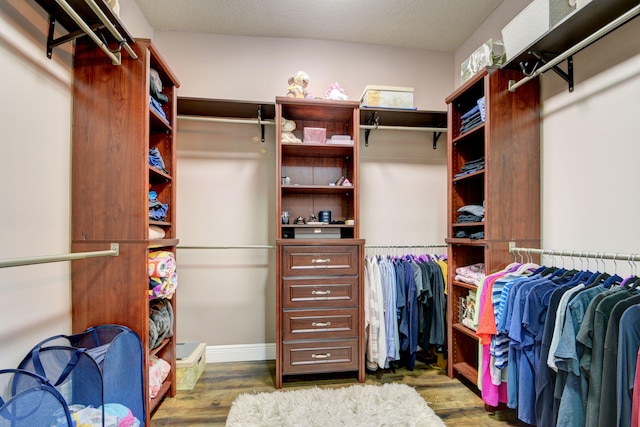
point(229, 247)
point(513, 85)
point(112, 29)
point(223, 120)
point(115, 57)
point(573, 254)
point(415, 128)
point(373, 123)
point(114, 251)
point(257, 121)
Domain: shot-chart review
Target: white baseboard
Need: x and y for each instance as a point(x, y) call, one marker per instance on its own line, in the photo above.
point(240, 352)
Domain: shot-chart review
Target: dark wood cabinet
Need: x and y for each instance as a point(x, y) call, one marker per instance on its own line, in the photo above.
point(113, 129)
point(320, 307)
point(507, 146)
point(319, 264)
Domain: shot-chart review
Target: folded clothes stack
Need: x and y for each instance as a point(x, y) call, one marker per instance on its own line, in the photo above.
point(472, 274)
point(471, 166)
point(474, 117)
point(470, 213)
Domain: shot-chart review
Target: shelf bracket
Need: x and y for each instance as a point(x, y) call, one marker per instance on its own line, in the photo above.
point(53, 42)
point(261, 124)
point(566, 75)
point(436, 136)
point(374, 120)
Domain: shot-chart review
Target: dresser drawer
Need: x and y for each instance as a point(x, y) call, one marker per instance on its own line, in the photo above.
point(302, 292)
point(320, 324)
point(317, 357)
point(320, 260)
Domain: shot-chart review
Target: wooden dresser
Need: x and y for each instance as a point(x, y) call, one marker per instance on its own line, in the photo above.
point(320, 307)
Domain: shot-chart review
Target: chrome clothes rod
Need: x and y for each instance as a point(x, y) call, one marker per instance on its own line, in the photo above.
point(513, 85)
point(115, 57)
point(229, 247)
point(114, 251)
point(112, 29)
point(574, 254)
point(415, 128)
point(223, 120)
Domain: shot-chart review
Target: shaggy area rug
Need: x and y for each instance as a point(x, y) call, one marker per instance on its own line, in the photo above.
point(390, 405)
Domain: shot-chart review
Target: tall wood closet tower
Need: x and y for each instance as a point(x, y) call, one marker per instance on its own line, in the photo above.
point(319, 265)
point(113, 129)
point(506, 145)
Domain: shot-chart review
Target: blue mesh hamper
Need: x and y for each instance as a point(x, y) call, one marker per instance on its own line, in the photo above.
point(29, 400)
point(102, 365)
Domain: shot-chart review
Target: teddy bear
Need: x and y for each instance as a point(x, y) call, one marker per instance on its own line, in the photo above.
point(298, 85)
point(288, 126)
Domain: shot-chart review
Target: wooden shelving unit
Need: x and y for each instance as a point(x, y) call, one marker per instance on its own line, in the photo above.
point(508, 185)
point(113, 129)
point(319, 281)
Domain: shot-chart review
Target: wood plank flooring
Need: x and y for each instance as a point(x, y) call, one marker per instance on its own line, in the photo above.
point(209, 402)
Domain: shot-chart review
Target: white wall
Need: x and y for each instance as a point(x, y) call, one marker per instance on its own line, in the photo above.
point(590, 151)
point(35, 129)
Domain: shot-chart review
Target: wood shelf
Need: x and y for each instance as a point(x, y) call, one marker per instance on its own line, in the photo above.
point(311, 189)
point(226, 108)
point(403, 117)
point(467, 331)
point(465, 285)
point(466, 241)
point(162, 393)
point(472, 175)
point(572, 30)
point(315, 225)
point(467, 371)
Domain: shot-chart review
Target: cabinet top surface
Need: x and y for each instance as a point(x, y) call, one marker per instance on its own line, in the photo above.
point(316, 102)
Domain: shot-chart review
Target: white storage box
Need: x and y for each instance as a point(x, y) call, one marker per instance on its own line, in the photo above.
point(535, 20)
point(190, 363)
point(387, 97)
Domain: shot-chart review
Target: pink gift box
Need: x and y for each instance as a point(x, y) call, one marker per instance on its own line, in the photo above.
point(315, 135)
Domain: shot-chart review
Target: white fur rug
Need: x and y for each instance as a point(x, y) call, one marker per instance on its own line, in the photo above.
point(390, 405)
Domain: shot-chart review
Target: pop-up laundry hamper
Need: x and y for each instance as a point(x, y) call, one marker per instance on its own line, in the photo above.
point(97, 368)
point(29, 400)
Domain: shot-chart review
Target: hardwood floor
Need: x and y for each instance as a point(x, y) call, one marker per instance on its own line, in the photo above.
point(209, 402)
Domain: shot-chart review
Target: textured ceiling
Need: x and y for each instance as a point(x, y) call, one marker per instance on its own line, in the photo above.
point(441, 25)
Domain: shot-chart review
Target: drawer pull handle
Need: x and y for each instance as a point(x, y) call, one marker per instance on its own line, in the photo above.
point(321, 261)
point(320, 292)
point(321, 324)
point(321, 356)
